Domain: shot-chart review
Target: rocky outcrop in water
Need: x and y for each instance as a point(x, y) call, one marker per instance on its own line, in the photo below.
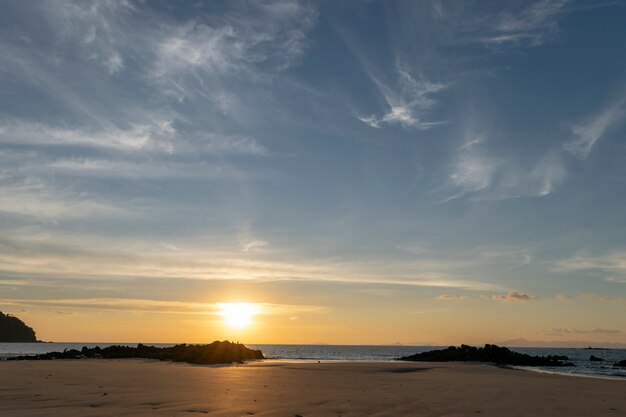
point(488, 353)
point(214, 353)
point(620, 364)
point(14, 330)
point(595, 359)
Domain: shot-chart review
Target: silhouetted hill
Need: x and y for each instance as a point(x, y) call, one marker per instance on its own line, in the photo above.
point(579, 344)
point(13, 330)
point(214, 353)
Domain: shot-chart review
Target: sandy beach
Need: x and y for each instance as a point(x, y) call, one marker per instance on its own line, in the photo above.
point(145, 388)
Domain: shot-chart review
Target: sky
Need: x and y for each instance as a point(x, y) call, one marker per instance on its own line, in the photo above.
point(359, 172)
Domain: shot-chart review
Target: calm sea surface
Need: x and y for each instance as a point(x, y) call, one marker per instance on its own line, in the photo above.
point(580, 357)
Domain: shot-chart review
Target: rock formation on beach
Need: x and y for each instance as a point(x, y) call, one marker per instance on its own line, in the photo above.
point(489, 353)
point(13, 330)
point(214, 353)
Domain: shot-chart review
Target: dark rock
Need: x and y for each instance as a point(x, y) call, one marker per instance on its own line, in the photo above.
point(214, 353)
point(620, 364)
point(595, 359)
point(13, 330)
point(488, 353)
point(558, 357)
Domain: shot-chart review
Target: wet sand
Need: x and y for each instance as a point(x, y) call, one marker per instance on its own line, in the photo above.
point(147, 388)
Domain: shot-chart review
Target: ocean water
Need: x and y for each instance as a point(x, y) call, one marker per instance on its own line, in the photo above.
point(580, 357)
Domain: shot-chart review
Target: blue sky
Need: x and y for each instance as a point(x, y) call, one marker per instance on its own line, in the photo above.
point(336, 162)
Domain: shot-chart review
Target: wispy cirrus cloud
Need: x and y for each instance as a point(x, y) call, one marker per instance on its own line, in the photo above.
point(157, 306)
point(25, 132)
point(408, 105)
point(98, 30)
point(611, 265)
point(41, 255)
point(155, 137)
point(473, 170)
point(199, 57)
point(113, 32)
point(478, 174)
point(452, 297)
point(408, 91)
point(30, 152)
point(532, 24)
point(589, 132)
point(32, 197)
point(591, 297)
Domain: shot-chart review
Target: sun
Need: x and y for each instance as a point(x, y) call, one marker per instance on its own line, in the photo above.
point(238, 315)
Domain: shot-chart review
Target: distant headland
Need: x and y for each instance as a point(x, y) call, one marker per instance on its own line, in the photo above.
point(14, 330)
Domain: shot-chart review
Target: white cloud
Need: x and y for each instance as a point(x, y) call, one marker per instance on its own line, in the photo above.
point(23, 132)
point(43, 201)
point(34, 155)
point(479, 175)
point(64, 256)
point(405, 114)
point(371, 121)
point(612, 265)
point(158, 306)
point(196, 57)
point(592, 130)
point(532, 25)
point(197, 46)
point(474, 170)
point(156, 135)
point(408, 103)
point(98, 30)
point(254, 245)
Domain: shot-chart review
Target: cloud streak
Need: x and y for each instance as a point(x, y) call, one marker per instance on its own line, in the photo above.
point(409, 104)
point(612, 265)
point(452, 297)
point(532, 25)
point(40, 256)
point(589, 132)
point(196, 58)
point(157, 306)
point(591, 297)
point(480, 175)
point(513, 296)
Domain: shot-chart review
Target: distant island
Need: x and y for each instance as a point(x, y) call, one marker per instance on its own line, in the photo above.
point(577, 344)
point(214, 353)
point(14, 330)
point(489, 353)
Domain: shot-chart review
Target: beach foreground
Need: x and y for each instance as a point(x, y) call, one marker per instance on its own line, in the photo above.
point(272, 388)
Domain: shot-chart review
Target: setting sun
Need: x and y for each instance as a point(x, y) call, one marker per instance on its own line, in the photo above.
point(238, 315)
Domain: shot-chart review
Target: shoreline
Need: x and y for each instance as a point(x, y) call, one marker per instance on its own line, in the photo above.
point(270, 361)
point(574, 374)
point(369, 354)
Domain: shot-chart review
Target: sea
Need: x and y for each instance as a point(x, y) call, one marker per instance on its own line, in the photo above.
point(346, 353)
